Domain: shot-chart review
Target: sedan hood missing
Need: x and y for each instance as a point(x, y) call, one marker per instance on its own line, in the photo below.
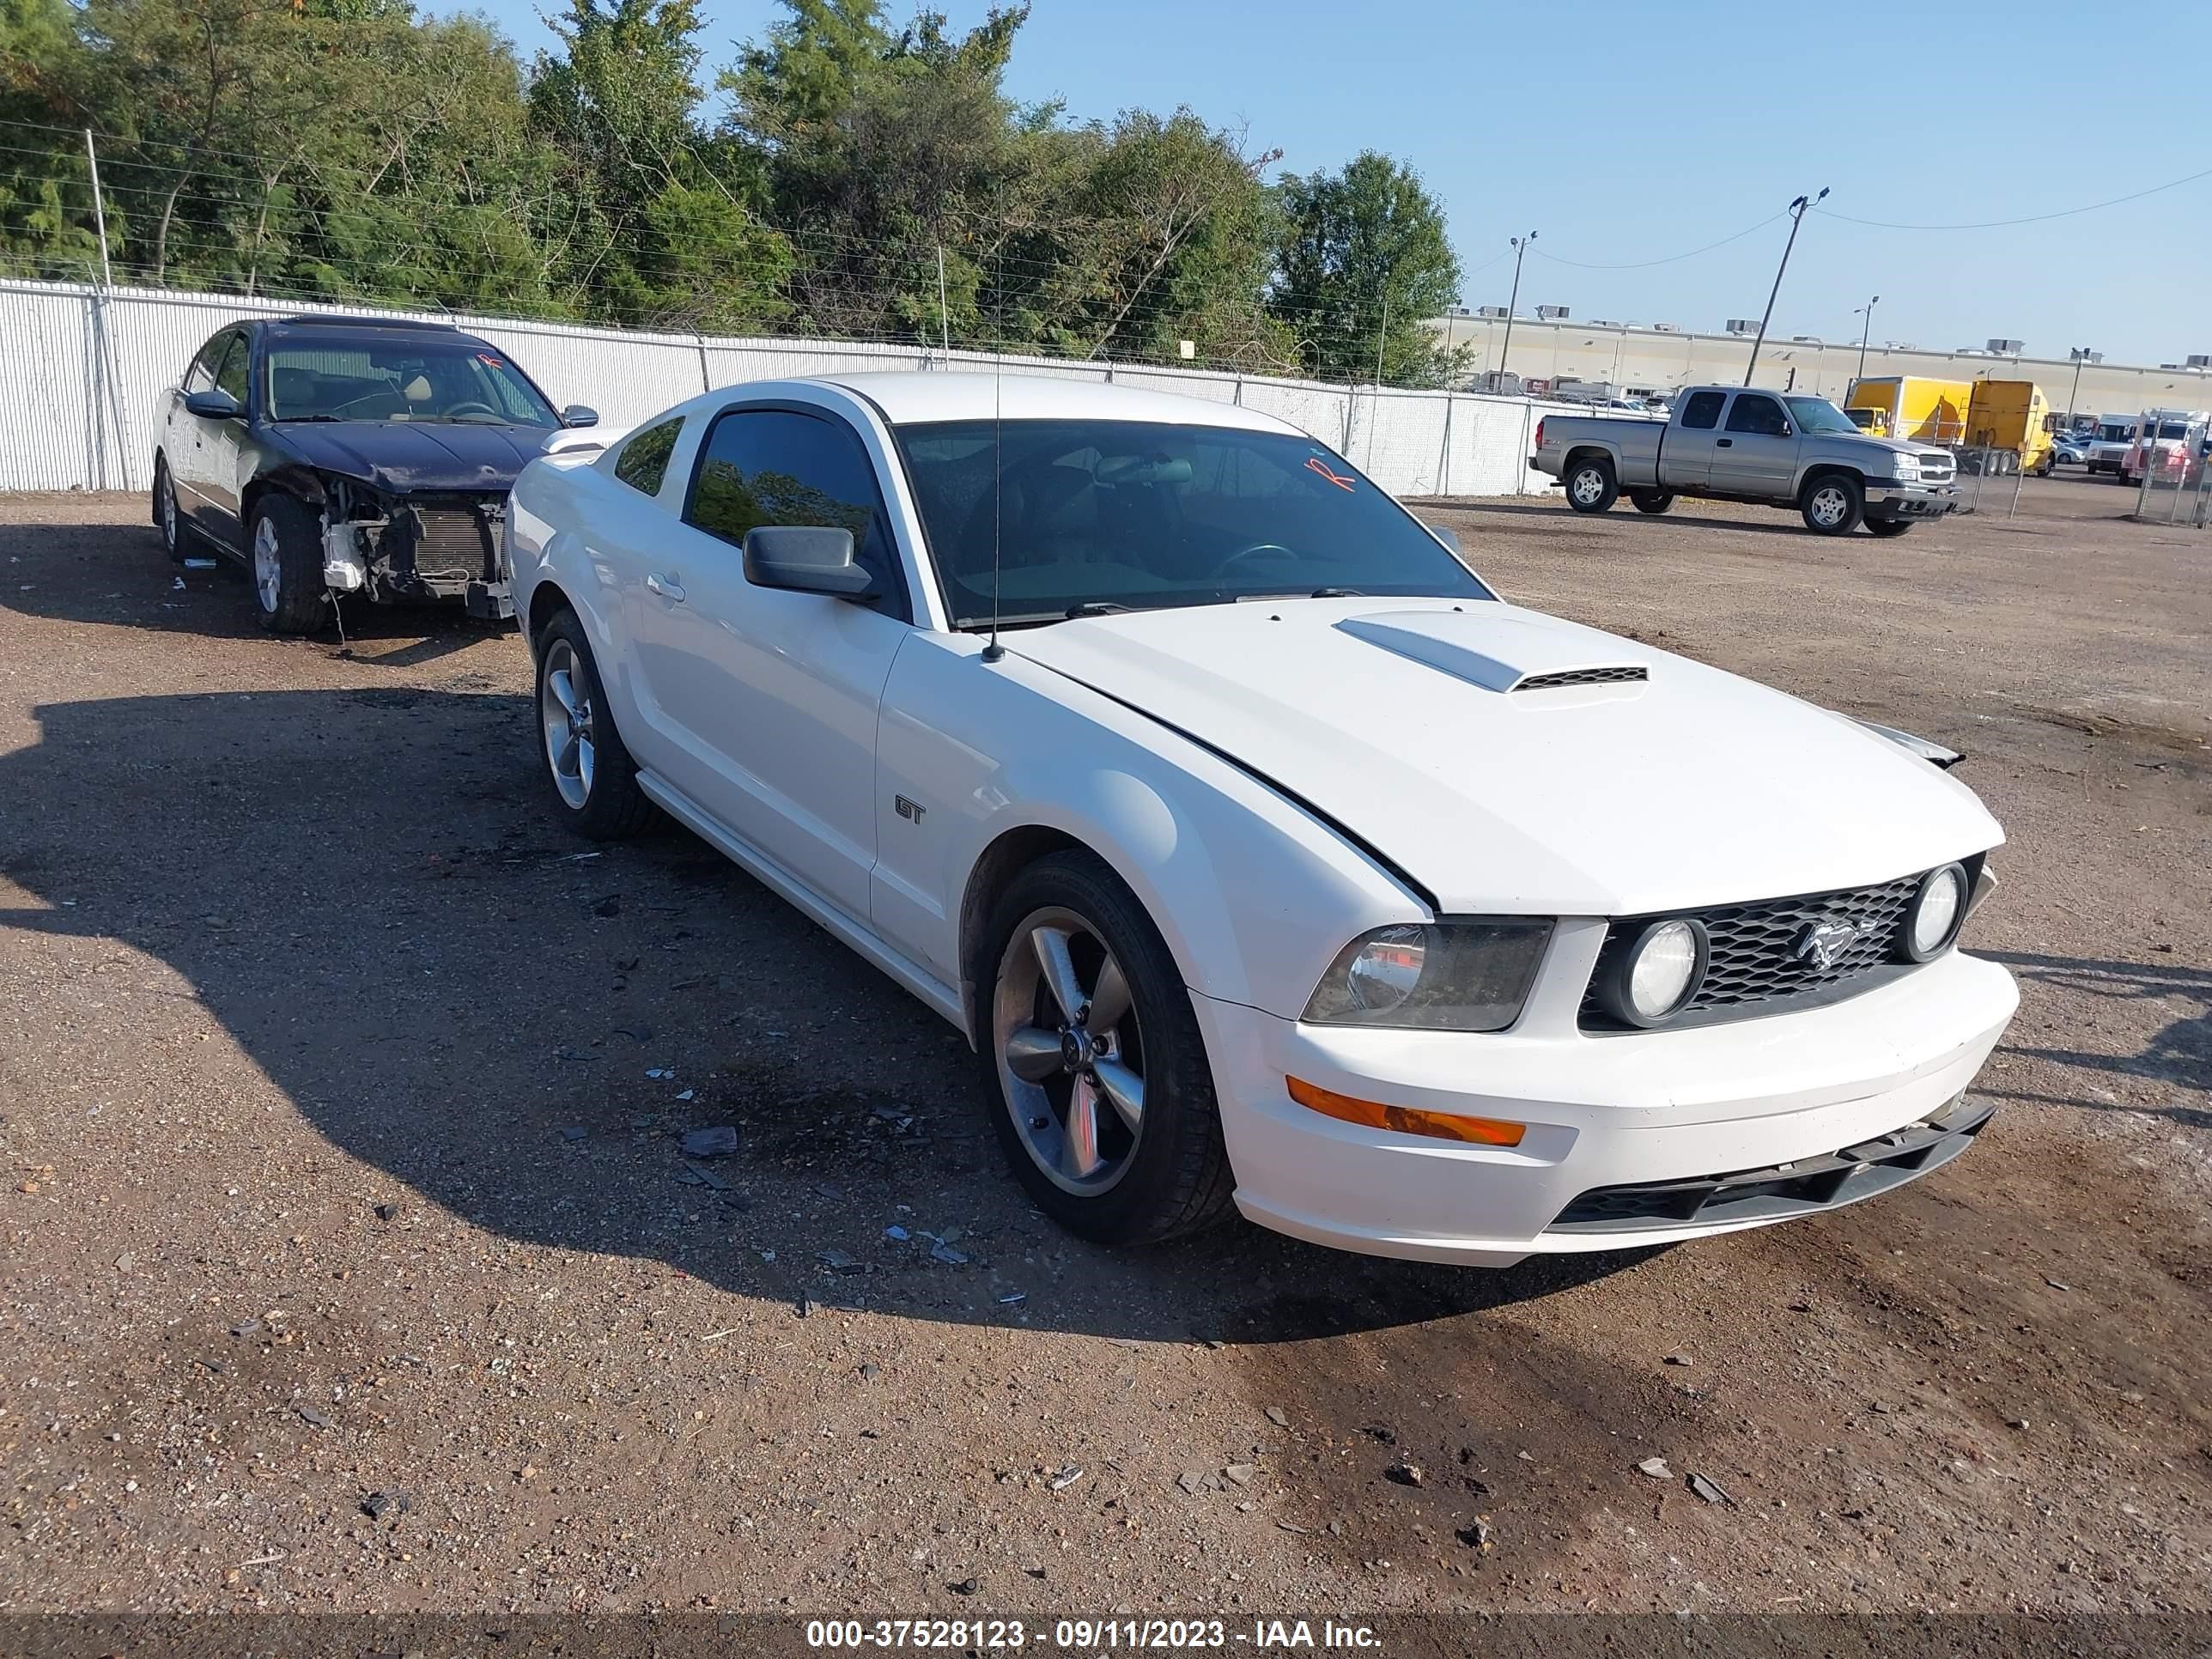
point(399, 457)
point(1510, 761)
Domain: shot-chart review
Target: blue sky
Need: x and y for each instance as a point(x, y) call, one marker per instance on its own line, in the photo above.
point(1624, 133)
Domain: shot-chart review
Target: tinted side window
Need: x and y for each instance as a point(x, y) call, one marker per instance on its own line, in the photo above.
point(777, 466)
point(201, 375)
point(643, 462)
point(1702, 413)
point(231, 377)
point(1760, 417)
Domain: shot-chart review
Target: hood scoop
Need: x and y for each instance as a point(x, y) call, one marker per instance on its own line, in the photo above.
point(1514, 655)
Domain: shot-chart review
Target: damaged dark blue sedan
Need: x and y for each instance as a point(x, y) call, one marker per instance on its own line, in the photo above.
point(352, 455)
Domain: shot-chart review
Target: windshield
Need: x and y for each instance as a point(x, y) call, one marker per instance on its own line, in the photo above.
point(435, 380)
point(2114, 431)
point(1818, 415)
point(2174, 429)
point(1139, 514)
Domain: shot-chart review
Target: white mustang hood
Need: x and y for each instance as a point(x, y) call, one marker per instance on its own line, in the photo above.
point(1511, 762)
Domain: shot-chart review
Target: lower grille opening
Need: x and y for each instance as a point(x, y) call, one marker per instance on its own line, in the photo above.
point(1799, 1188)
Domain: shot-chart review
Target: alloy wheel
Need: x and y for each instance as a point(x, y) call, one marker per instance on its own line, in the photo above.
point(566, 711)
point(1829, 506)
point(268, 564)
point(168, 513)
point(1070, 1055)
point(1589, 485)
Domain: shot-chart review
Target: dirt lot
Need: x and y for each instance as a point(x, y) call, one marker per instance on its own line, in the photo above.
point(337, 1165)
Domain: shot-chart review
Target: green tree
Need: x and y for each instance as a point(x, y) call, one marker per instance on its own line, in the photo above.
point(1364, 263)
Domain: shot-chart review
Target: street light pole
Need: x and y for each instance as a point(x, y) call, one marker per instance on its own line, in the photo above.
point(1866, 332)
point(1796, 218)
point(1521, 252)
point(2074, 398)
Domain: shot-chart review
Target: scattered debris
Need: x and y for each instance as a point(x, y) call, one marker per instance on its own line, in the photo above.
point(1193, 1482)
point(378, 1505)
point(386, 1211)
point(2016, 1422)
point(1242, 1473)
point(808, 1307)
point(320, 1420)
point(1479, 1535)
point(1676, 1359)
point(897, 1234)
point(1065, 1478)
point(2055, 1284)
point(609, 906)
point(574, 1131)
point(1405, 1474)
point(870, 1371)
point(1013, 1298)
point(687, 1094)
point(837, 1262)
point(716, 1336)
point(964, 1587)
point(125, 1262)
point(1708, 1490)
point(1279, 1417)
point(720, 1140)
point(1655, 1467)
point(1290, 1526)
point(245, 1327)
point(943, 1252)
point(657, 1071)
point(704, 1177)
point(823, 1189)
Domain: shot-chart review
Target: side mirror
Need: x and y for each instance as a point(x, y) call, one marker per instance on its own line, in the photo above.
point(806, 559)
point(214, 404)
point(580, 414)
point(1445, 534)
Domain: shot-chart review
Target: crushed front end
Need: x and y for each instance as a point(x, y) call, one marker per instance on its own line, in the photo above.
point(429, 547)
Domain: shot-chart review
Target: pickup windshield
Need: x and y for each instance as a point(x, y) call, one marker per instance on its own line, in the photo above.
point(361, 379)
point(1818, 415)
point(1098, 516)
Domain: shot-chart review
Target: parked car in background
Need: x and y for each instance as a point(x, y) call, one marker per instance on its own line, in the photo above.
point(1266, 856)
point(335, 455)
point(2069, 449)
point(1732, 443)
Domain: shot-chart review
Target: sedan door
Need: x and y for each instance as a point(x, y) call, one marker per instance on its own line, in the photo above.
point(764, 700)
point(185, 435)
point(223, 453)
point(1756, 453)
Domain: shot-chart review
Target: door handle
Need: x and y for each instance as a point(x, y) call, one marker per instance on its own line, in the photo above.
point(1723, 443)
point(666, 588)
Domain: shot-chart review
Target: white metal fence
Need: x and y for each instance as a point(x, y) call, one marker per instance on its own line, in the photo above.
point(97, 361)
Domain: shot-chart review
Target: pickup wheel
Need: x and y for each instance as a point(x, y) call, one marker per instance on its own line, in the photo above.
point(594, 781)
point(1099, 1086)
point(287, 563)
point(1833, 504)
point(1888, 526)
point(1651, 500)
point(1592, 486)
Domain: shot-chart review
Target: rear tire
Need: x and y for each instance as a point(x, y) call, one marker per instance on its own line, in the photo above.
point(1592, 486)
point(1888, 526)
point(1833, 504)
point(594, 781)
point(1654, 502)
point(1063, 1119)
point(286, 562)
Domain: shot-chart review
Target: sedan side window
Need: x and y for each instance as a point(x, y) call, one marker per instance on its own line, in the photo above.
point(1702, 413)
point(781, 466)
point(643, 462)
point(231, 377)
point(1760, 418)
point(201, 375)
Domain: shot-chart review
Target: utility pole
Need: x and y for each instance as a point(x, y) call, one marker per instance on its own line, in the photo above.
point(99, 210)
point(1796, 218)
point(1521, 252)
point(944, 316)
point(1866, 332)
point(2080, 355)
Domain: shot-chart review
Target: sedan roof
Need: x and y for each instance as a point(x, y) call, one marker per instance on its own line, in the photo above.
point(919, 399)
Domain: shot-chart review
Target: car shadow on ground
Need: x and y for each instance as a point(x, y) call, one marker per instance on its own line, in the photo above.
point(366, 891)
point(1783, 523)
point(2179, 1055)
point(211, 597)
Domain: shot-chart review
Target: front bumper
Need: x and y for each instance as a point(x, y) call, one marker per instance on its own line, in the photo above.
point(1887, 502)
point(1606, 1114)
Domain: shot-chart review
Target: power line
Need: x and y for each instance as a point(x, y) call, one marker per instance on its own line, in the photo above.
point(2031, 219)
point(1672, 258)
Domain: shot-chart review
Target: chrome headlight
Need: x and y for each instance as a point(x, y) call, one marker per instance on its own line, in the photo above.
point(1441, 976)
point(1931, 920)
point(1653, 979)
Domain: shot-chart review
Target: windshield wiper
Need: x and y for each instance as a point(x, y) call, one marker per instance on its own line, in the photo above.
point(288, 420)
point(1300, 594)
point(1095, 608)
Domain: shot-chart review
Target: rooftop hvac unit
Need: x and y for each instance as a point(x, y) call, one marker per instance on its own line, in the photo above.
point(1495, 313)
point(2007, 347)
point(1604, 322)
point(1741, 325)
point(2198, 360)
point(1805, 339)
point(1666, 328)
point(1552, 313)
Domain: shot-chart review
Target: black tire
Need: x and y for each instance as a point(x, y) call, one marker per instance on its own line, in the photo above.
point(1831, 504)
point(288, 594)
point(1888, 526)
point(1169, 1177)
point(608, 805)
point(1592, 486)
point(1654, 502)
point(169, 517)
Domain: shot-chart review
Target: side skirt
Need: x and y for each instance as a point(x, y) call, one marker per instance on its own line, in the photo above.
point(847, 928)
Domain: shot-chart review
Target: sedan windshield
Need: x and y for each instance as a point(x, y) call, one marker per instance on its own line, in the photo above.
point(450, 381)
point(1818, 415)
point(1095, 516)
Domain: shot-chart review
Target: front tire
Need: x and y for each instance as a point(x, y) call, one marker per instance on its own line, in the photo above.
point(286, 566)
point(1100, 1093)
point(1832, 505)
point(1592, 485)
point(168, 517)
point(594, 781)
point(1654, 502)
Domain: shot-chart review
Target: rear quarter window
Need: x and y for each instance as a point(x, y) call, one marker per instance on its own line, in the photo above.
point(642, 461)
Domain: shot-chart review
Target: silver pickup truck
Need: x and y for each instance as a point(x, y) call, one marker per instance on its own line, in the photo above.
point(1733, 443)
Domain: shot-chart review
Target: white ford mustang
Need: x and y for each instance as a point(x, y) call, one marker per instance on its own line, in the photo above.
point(1270, 858)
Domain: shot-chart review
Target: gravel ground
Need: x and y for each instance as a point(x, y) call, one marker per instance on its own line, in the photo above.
point(341, 1093)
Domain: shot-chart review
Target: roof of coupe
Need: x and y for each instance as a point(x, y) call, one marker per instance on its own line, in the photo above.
point(915, 399)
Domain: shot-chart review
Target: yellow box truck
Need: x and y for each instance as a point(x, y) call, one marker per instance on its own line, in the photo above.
point(1916, 406)
point(2012, 414)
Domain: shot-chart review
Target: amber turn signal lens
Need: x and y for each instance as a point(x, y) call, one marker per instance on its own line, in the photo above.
point(1406, 1120)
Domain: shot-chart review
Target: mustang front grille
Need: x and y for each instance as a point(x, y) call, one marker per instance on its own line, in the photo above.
point(1767, 953)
